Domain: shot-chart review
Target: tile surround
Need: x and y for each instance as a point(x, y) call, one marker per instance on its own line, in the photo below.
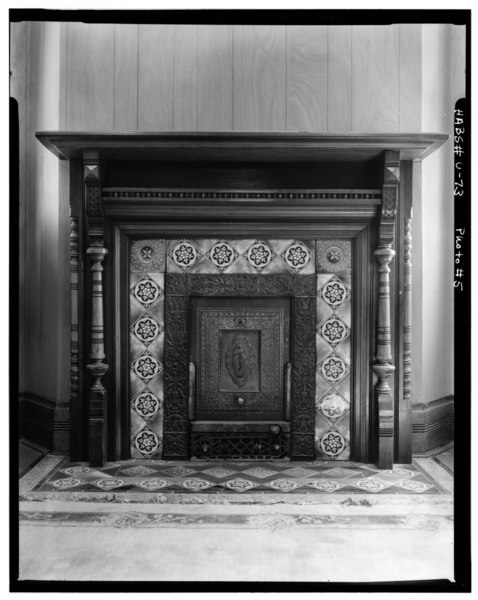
point(146, 357)
point(330, 259)
point(333, 349)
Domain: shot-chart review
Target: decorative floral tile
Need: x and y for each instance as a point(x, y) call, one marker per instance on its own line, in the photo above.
point(334, 292)
point(154, 484)
point(297, 256)
point(333, 368)
point(146, 404)
point(146, 367)
point(332, 406)
point(333, 330)
point(77, 470)
point(333, 444)
point(222, 255)
point(283, 485)
point(370, 485)
point(64, 484)
point(260, 255)
point(184, 254)
point(239, 485)
point(147, 256)
point(195, 484)
point(110, 484)
point(146, 329)
point(147, 442)
point(334, 256)
point(411, 485)
point(146, 291)
point(325, 485)
point(396, 474)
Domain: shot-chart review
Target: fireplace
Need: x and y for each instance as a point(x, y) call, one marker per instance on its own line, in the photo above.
point(241, 296)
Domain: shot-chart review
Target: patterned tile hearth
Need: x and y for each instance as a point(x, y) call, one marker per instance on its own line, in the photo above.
point(235, 478)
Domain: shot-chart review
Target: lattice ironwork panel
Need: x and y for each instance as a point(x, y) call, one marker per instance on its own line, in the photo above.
point(237, 446)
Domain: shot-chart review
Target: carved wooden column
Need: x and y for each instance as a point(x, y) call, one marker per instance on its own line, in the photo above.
point(74, 321)
point(383, 366)
point(96, 367)
point(407, 313)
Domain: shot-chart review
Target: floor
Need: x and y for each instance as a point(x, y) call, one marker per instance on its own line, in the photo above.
point(235, 477)
point(230, 521)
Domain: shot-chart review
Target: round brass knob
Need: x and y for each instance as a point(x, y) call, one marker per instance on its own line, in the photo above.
point(240, 401)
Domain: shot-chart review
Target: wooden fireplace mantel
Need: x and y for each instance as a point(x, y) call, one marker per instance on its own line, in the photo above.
point(104, 212)
point(241, 146)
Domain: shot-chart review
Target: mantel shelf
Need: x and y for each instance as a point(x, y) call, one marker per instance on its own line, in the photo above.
point(240, 146)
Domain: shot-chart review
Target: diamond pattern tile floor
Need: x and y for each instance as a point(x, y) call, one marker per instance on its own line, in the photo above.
point(237, 477)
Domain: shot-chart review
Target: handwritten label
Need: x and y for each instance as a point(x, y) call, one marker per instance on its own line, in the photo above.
point(460, 151)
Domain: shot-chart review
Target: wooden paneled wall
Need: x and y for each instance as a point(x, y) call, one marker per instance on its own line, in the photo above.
point(43, 215)
point(443, 84)
point(110, 77)
point(243, 78)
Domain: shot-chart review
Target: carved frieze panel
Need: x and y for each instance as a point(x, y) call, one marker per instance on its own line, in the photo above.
point(303, 379)
point(176, 377)
point(242, 285)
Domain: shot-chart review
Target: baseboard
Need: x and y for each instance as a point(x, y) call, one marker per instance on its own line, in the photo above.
point(434, 451)
point(37, 420)
point(432, 425)
point(34, 446)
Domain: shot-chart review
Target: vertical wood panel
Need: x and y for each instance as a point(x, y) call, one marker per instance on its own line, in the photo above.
point(126, 78)
point(18, 90)
point(53, 270)
point(307, 78)
point(33, 216)
point(375, 78)
point(63, 74)
point(185, 82)
point(417, 285)
point(214, 77)
point(339, 88)
point(63, 333)
point(410, 77)
point(155, 78)
point(42, 198)
point(259, 78)
point(457, 35)
point(90, 81)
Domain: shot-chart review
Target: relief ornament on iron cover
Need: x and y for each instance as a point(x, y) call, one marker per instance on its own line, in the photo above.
point(240, 360)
